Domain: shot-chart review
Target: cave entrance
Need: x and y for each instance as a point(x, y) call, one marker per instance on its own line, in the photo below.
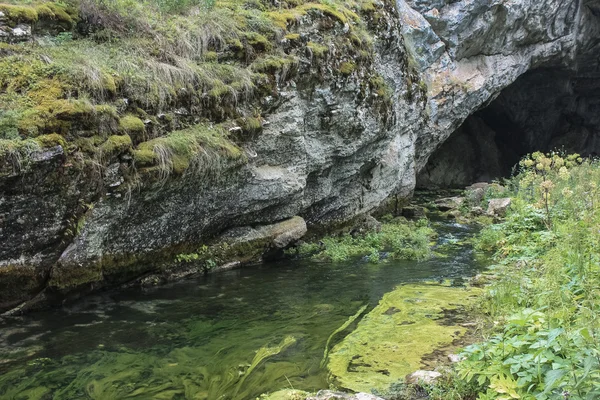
point(543, 110)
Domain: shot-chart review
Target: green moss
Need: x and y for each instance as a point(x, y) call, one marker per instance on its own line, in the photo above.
point(69, 277)
point(273, 63)
point(108, 83)
point(318, 50)
point(380, 87)
point(131, 124)
point(106, 110)
point(16, 13)
point(116, 144)
point(347, 68)
point(70, 109)
point(341, 14)
point(292, 36)
point(368, 7)
point(51, 140)
point(250, 125)
point(210, 56)
point(144, 157)
point(391, 340)
point(205, 61)
point(57, 12)
point(258, 41)
point(283, 18)
point(17, 282)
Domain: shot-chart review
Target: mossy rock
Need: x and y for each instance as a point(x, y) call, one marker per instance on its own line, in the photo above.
point(392, 339)
point(51, 140)
point(17, 14)
point(131, 124)
point(115, 144)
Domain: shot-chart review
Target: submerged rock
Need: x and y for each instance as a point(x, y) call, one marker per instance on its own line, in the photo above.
point(285, 394)
point(391, 340)
point(331, 395)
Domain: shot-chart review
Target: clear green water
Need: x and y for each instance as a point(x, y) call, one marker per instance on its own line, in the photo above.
point(197, 339)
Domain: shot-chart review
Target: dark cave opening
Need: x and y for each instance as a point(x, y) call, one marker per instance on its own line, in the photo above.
point(543, 110)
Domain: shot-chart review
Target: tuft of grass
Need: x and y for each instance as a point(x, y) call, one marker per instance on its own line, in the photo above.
point(347, 68)
point(317, 50)
point(200, 149)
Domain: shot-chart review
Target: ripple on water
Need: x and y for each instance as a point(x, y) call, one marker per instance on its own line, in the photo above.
point(198, 339)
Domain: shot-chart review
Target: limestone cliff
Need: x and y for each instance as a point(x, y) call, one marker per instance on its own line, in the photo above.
point(336, 138)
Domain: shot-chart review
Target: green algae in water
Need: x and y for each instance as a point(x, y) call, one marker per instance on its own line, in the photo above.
point(390, 341)
point(341, 329)
point(261, 355)
point(285, 394)
point(198, 339)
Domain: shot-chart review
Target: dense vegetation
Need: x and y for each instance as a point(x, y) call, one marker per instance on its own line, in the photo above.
point(107, 78)
point(546, 298)
point(543, 306)
point(396, 238)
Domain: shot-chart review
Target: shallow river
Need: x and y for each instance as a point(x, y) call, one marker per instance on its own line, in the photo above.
point(198, 339)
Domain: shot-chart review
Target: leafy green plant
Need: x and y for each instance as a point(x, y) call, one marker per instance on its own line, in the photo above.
point(545, 301)
point(396, 240)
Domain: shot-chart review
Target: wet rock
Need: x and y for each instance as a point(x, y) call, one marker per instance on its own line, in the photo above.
point(454, 214)
point(422, 377)
point(18, 33)
point(112, 176)
point(413, 212)
point(481, 280)
point(449, 203)
point(365, 224)
point(498, 207)
point(331, 395)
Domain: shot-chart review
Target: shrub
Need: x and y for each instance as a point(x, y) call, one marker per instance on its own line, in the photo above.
point(401, 240)
point(545, 301)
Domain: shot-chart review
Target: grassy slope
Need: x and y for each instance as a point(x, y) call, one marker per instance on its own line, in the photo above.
point(143, 69)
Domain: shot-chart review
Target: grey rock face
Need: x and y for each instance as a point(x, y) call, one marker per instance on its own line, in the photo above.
point(551, 106)
point(498, 207)
point(326, 154)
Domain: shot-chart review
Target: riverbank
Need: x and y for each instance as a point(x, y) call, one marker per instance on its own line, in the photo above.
point(202, 336)
point(541, 304)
